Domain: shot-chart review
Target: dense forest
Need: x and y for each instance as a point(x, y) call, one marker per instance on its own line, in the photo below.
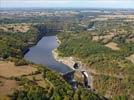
point(114, 72)
point(12, 43)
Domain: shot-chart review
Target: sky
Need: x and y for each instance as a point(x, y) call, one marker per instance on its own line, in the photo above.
point(67, 3)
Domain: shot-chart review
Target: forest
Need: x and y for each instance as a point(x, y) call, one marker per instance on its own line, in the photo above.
point(110, 65)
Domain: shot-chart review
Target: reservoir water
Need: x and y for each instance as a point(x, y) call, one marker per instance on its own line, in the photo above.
point(41, 53)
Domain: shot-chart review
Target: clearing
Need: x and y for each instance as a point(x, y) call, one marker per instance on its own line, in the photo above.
point(131, 58)
point(6, 87)
point(8, 69)
point(112, 45)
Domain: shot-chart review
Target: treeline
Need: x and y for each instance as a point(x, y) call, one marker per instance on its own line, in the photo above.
point(53, 22)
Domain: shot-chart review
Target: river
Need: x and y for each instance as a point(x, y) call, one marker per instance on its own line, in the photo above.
point(41, 53)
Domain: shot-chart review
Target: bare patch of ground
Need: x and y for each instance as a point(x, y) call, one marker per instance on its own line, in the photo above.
point(6, 88)
point(8, 69)
point(131, 58)
point(107, 17)
point(112, 45)
point(116, 16)
point(130, 39)
point(105, 37)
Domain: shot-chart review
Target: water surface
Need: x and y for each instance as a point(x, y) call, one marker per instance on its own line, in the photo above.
point(42, 54)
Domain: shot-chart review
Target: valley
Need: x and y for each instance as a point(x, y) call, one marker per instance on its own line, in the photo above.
point(38, 46)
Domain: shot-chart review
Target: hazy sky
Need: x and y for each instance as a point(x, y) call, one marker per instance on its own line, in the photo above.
point(68, 3)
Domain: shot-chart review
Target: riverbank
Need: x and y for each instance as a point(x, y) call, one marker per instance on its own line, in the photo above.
point(70, 61)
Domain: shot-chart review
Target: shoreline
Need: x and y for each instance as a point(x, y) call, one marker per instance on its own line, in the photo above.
point(70, 61)
point(26, 50)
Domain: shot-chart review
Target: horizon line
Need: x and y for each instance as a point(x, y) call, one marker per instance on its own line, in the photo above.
point(66, 7)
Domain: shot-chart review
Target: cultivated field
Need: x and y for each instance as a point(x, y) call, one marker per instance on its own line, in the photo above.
point(8, 69)
point(6, 87)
